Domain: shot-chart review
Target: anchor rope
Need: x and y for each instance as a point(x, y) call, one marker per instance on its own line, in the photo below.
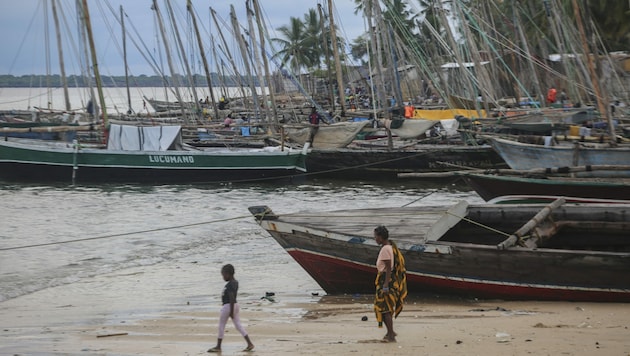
point(124, 233)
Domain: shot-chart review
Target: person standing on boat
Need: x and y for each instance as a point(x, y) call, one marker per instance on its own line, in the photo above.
point(391, 283)
point(314, 119)
point(551, 95)
point(230, 309)
point(223, 102)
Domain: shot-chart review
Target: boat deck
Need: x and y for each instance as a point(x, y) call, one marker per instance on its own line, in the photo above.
point(596, 227)
point(404, 224)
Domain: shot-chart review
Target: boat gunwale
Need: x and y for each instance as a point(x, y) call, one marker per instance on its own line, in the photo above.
point(64, 148)
point(408, 246)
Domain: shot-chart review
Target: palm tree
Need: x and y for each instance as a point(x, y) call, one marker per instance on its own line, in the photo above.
point(398, 15)
point(611, 18)
point(313, 37)
point(359, 48)
point(295, 47)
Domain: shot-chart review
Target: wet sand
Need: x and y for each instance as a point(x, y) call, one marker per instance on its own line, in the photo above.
point(165, 311)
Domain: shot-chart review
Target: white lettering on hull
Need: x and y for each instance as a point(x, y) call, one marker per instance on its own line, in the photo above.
point(171, 159)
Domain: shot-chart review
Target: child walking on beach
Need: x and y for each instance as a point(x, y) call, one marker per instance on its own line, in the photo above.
point(230, 309)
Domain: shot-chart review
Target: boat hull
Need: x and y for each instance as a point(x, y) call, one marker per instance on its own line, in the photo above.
point(383, 163)
point(521, 156)
point(22, 162)
point(344, 263)
point(491, 186)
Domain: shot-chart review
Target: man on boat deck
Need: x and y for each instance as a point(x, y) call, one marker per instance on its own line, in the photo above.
point(223, 103)
point(314, 119)
point(391, 283)
point(551, 95)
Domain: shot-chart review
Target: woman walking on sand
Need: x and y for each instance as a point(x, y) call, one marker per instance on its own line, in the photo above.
point(230, 309)
point(391, 283)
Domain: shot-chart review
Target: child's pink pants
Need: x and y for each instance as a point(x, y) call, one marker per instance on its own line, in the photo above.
point(225, 315)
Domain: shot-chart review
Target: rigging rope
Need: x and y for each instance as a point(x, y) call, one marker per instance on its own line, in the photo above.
point(479, 224)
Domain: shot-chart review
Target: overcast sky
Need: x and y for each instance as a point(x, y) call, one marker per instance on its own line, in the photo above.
point(24, 45)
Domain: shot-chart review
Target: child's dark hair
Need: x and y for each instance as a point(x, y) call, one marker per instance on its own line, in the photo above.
point(229, 269)
point(382, 232)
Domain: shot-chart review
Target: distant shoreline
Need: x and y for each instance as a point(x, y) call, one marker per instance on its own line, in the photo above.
point(54, 81)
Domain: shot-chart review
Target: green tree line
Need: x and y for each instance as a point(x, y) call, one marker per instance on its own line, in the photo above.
point(54, 80)
point(302, 42)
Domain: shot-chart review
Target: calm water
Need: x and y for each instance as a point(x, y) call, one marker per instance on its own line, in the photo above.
point(115, 98)
point(221, 229)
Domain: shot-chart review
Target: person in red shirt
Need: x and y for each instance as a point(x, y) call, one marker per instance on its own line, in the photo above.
point(551, 95)
point(409, 108)
point(314, 119)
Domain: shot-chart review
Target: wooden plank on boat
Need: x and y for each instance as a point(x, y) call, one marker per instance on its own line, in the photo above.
point(535, 221)
point(449, 219)
point(405, 224)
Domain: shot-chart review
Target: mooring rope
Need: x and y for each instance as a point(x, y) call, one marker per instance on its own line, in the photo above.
point(123, 234)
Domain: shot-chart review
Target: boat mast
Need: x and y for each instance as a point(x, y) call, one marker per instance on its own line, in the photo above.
point(203, 58)
point(530, 59)
point(331, 94)
point(333, 38)
point(374, 44)
point(180, 45)
point(270, 85)
point(85, 62)
point(97, 75)
point(396, 90)
point(591, 69)
point(258, 66)
point(124, 41)
point(241, 43)
point(219, 67)
point(483, 79)
point(227, 50)
point(383, 45)
point(62, 67)
point(168, 58)
point(458, 57)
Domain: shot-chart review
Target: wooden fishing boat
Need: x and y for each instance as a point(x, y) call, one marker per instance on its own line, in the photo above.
point(545, 121)
point(490, 186)
point(525, 156)
point(143, 155)
point(379, 163)
point(526, 251)
point(175, 106)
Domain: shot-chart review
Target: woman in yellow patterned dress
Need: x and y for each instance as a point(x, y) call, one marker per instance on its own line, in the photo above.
point(391, 283)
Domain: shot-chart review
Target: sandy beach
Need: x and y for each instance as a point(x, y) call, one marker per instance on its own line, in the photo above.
point(166, 310)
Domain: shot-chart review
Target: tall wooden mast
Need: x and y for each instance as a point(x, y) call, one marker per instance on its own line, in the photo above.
point(261, 32)
point(62, 68)
point(327, 54)
point(167, 49)
point(124, 43)
point(97, 75)
point(601, 106)
point(180, 45)
point(203, 59)
point(333, 38)
point(245, 56)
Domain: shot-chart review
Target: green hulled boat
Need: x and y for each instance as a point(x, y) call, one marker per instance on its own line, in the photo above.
point(143, 155)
